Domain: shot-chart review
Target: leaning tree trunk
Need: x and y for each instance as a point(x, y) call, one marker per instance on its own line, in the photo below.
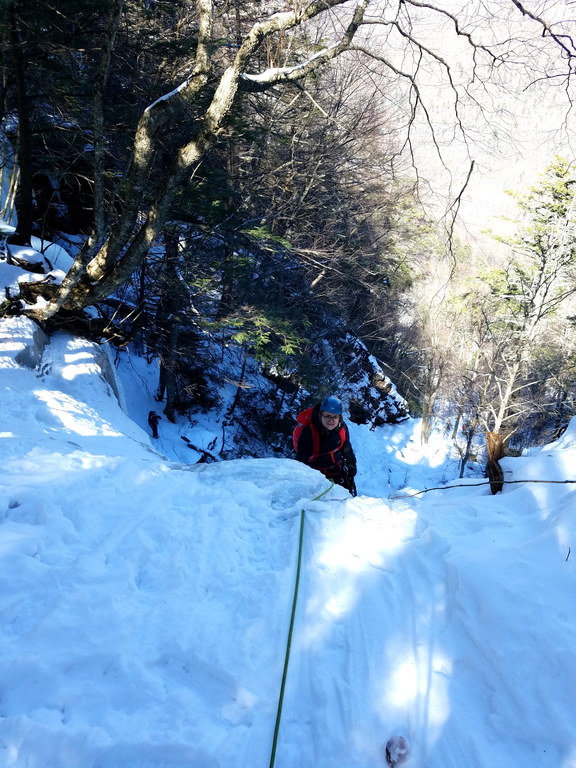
point(467, 451)
point(169, 323)
point(428, 413)
point(495, 448)
point(168, 379)
point(24, 195)
point(101, 268)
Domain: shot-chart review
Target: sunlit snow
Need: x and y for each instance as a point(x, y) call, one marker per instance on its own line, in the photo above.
point(145, 599)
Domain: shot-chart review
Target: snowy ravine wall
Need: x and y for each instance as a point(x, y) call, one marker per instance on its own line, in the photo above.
point(145, 602)
point(370, 395)
point(253, 406)
point(257, 408)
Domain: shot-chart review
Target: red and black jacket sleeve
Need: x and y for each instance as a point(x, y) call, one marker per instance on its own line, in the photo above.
point(305, 445)
point(348, 453)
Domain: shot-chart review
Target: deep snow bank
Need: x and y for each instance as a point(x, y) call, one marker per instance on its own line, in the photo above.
point(145, 602)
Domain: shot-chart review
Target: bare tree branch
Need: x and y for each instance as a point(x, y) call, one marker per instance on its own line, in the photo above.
point(565, 42)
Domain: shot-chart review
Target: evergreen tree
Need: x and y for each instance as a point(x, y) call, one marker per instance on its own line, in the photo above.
point(512, 309)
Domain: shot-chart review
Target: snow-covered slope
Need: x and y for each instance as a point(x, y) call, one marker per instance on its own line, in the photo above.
point(145, 601)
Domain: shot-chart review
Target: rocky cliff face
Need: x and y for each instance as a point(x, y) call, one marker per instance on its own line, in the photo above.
point(254, 406)
point(259, 407)
point(369, 394)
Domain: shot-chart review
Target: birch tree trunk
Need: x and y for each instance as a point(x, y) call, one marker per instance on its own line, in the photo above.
point(103, 266)
point(24, 195)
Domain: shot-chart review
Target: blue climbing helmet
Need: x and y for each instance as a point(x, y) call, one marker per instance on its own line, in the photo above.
point(332, 405)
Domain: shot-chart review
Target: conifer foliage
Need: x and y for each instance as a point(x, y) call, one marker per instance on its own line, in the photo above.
point(248, 173)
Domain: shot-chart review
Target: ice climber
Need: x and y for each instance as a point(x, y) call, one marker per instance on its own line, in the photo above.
point(322, 441)
point(153, 420)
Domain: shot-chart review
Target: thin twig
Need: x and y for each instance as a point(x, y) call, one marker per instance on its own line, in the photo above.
point(470, 485)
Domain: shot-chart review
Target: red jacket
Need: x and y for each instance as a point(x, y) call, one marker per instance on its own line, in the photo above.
point(329, 451)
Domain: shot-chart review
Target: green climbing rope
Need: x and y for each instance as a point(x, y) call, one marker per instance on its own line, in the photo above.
point(289, 642)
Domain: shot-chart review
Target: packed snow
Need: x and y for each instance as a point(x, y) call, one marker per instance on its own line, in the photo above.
point(146, 599)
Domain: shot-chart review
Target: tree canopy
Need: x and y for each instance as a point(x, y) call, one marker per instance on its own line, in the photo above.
point(178, 74)
point(264, 167)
